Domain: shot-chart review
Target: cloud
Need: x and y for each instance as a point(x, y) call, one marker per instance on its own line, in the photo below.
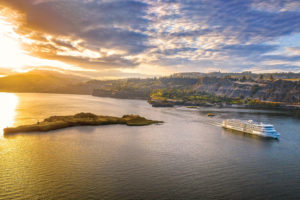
point(193, 35)
point(276, 68)
point(98, 24)
point(276, 6)
point(248, 50)
point(281, 58)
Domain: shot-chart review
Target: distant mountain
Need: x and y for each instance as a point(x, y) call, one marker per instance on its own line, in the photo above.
point(43, 81)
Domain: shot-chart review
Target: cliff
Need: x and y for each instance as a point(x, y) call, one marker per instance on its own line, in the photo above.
point(182, 88)
point(275, 91)
point(123, 94)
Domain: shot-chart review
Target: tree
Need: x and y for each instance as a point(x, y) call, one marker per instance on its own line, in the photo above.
point(261, 77)
point(271, 77)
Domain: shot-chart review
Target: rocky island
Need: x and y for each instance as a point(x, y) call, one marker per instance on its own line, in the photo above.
point(80, 119)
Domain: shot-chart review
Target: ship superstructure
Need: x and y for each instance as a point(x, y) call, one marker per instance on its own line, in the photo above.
point(265, 130)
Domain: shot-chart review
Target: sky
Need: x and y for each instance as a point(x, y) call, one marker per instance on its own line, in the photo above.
point(144, 38)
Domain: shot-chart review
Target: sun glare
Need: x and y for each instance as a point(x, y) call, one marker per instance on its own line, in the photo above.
point(8, 107)
point(14, 57)
point(10, 51)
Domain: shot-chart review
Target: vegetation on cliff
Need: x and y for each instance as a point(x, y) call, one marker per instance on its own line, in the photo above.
point(80, 119)
point(190, 97)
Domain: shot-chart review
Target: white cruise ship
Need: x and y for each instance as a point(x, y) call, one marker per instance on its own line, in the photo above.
point(265, 130)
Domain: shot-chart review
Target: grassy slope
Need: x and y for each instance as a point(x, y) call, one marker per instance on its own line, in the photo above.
point(41, 81)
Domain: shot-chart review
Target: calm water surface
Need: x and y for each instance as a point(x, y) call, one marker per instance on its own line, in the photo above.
point(188, 157)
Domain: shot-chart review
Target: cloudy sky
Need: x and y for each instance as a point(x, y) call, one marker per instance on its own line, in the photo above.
point(125, 38)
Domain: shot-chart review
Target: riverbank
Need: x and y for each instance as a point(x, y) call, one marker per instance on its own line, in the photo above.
point(250, 104)
point(80, 119)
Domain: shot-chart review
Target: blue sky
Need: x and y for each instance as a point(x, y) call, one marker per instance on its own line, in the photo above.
point(124, 38)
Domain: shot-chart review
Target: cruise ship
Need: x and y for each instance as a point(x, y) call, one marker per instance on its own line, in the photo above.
point(265, 130)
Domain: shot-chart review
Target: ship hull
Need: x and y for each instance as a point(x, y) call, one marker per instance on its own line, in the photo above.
point(229, 127)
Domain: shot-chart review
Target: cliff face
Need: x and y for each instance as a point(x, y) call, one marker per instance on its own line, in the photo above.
point(123, 94)
point(138, 88)
point(281, 91)
point(277, 91)
point(264, 90)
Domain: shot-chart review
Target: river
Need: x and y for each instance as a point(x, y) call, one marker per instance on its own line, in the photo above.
point(188, 157)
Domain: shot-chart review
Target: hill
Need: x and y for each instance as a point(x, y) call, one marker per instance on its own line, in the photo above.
point(183, 88)
point(193, 90)
point(43, 81)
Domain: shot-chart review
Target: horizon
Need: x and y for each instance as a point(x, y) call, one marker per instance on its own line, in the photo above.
point(187, 74)
point(143, 38)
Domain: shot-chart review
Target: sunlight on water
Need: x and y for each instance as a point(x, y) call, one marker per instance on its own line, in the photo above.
point(8, 104)
point(182, 158)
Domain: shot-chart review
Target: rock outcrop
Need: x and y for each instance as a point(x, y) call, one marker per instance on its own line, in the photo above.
point(276, 91)
point(80, 119)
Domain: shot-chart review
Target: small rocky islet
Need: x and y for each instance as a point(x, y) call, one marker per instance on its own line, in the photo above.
point(80, 119)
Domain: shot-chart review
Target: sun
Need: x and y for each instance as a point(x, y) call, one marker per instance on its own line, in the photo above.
point(14, 57)
point(10, 50)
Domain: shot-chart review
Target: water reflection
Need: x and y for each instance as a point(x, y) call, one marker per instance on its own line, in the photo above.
point(181, 159)
point(8, 104)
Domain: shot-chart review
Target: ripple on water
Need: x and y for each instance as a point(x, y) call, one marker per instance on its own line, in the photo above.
point(188, 157)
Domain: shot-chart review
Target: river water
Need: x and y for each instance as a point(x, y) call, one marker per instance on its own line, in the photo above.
point(188, 157)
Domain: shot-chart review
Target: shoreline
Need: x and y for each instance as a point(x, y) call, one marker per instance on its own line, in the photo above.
point(172, 103)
